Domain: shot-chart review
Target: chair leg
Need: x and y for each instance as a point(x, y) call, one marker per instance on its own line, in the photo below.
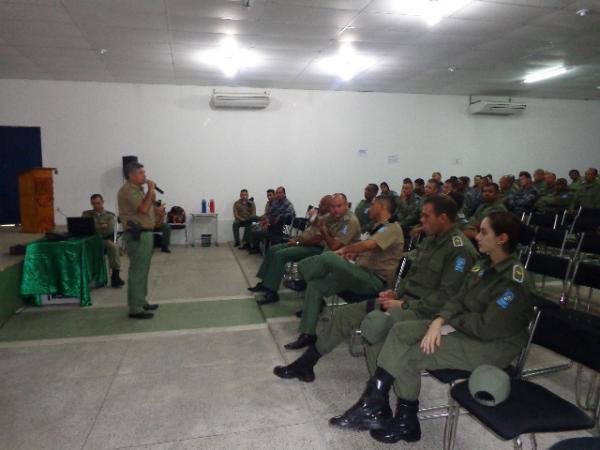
point(517, 443)
point(451, 425)
point(533, 441)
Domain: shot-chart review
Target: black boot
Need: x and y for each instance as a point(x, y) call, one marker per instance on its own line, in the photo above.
point(258, 288)
point(304, 340)
point(270, 297)
point(372, 410)
point(115, 279)
point(302, 368)
point(403, 427)
point(165, 250)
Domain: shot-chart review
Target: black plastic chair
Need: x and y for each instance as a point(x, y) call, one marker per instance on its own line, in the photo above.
point(581, 443)
point(585, 275)
point(553, 266)
point(544, 219)
point(583, 224)
point(590, 243)
point(531, 408)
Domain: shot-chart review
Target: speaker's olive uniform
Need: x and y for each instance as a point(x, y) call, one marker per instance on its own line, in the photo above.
point(106, 218)
point(345, 229)
point(329, 273)
point(130, 197)
point(436, 273)
point(588, 195)
point(490, 315)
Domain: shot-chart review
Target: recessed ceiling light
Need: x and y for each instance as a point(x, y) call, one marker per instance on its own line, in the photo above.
point(582, 12)
point(550, 72)
point(229, 57)
point(451, 69)
point(346, 64)
point(103, 51)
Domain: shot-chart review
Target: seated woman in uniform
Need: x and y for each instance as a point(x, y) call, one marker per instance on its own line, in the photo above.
point(485, 323)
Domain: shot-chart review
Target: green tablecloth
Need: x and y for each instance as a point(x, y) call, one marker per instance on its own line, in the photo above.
point(64, 267)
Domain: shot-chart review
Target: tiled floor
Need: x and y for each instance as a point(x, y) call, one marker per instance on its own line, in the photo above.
point(203, 388)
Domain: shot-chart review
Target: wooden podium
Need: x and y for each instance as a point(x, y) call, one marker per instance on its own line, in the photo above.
point(36, 200)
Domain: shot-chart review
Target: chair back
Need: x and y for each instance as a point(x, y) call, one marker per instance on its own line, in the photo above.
point(543, 219)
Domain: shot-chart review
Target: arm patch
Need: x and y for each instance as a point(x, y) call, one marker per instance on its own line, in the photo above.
point(457, 241)
point(459, 264)
point(518, 273)
point(506, 299)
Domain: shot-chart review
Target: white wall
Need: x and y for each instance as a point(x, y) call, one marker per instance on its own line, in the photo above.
point(306, 141)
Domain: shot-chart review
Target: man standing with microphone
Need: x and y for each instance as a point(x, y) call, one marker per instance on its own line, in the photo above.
point(136, 210)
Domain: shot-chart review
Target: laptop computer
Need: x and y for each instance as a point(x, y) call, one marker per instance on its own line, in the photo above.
point(80, 226)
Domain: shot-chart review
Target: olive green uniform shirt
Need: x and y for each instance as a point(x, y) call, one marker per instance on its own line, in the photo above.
point(362, 214)
point(243, 210)
point(102, 218)
point(482, 211)
point(384, 260)
point(588, 196)
point(129, 198)
point(554, 201)
point(345, 229)
point(437, 272)
point(409, 211)
point(494, 304)
point(541, 187)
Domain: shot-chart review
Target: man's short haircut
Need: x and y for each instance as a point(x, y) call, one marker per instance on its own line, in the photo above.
point(524, 173)
point(94, 196)
point(493, 185)
point(340, 194)
point(443, 204)
point(466, 180)
point(384, 183)
point(407, 181)
point(489, 175)
point(539, 170)
point(458, 198)
point(282, 188)
point(244, 190)
point(270, 191)
point(420, 181)
point(434, 182)
point(373, 187)
point(573, 171)
point(132, 167)
point(388, 202)
point(594, 170)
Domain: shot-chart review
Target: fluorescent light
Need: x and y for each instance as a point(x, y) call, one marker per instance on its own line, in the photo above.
point(432, 11)
point(545, 74)
point(346, 64)
point(229, 57)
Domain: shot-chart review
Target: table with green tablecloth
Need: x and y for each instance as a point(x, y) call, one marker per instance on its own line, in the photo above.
point(67, 267)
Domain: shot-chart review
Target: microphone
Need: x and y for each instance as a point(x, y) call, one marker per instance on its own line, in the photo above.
point(160, 191)
point(60, 212)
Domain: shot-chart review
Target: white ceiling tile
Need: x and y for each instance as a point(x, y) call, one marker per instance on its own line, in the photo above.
point(496, 12)
point(29, 40)
point(39, 28)
point(568, 19)
point(307, 15)
point(116, 6)
point(19, 11)
point(388, 20)
point(104, 36)
point(552, 4)
point(337, 4)
point(218, 9)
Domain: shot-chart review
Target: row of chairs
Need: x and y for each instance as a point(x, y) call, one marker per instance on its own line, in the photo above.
point(584, 219)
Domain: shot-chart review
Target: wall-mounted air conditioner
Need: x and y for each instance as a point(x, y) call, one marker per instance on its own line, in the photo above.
point(495, 107)
point(251, 100)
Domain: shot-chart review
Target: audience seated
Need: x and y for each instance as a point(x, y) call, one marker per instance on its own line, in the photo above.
point(364, 267)
point(438, 268)
point(244, 214)
point(523, 200)
point(409, 205)
point(492, 202)
point(588, 195)
point(484, 323)
point(281, 211)
point(362, 209)
point(105, 223)
point(334, 227)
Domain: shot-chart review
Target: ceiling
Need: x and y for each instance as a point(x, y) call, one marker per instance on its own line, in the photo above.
point(491, 44)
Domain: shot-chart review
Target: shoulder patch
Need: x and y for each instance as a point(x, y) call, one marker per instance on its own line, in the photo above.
point(459, 264)
point(381, 230)
point(344, 230)
point(457, 241)
point(505, 299)
point(518, 273)
point(476, 268)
